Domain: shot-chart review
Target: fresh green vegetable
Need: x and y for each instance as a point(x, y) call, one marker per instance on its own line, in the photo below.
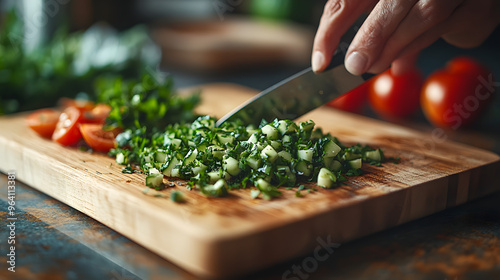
point(149, 103)
point(218, 159)
point(68, 64)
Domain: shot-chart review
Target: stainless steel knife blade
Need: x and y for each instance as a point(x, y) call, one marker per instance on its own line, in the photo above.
point(302, 92)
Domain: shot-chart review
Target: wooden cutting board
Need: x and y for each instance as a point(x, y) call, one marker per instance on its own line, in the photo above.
point(235, 235)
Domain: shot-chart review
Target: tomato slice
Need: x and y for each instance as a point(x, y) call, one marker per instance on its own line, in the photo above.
point(98, 139)
point(97, 115)
point(67, 132)
point(43, 121)
point(353, 101)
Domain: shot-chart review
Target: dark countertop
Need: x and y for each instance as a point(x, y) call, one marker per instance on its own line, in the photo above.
point(54, 241)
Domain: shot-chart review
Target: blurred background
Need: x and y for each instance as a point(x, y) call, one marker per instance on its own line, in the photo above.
point(210, 40)
point(254, 43)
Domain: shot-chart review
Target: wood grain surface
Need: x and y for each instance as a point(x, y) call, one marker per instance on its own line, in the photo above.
point(231, 236)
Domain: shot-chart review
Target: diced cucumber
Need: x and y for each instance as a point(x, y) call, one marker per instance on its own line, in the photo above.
point(374, 155)
point(350, 156)
point(160, 156)
point(356, 163)
point(331, 149)
point(216, 175)
point(190, 157)
point(199, 168)
point(304, 168)
point(253, 138)
point(154, 180)
point(121, 159)
point(326, 178)
point(175, 171)
point(218, 189)
point(149, 157)
point(270, 132)
point(306, 155)
point(216, 151)
point(231, 166)
point(306, 126)
point(225, 139)
point(262, 184)
point(269, 153)
point(168, 171)
point(254, 163)
point(286, 126)
point(282, 127)
point(276, 145)
point(153, 171)
point(285, 155)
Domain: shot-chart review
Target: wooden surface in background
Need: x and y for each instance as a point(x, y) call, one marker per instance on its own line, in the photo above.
point(234, 44)
point(233, 235)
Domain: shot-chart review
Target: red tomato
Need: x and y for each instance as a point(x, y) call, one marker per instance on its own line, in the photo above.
point(67, 132)
point(43, 121)
point(456, 96)
point(98, 139)
point(396, 96)
point(352, 101)
point(97, 115)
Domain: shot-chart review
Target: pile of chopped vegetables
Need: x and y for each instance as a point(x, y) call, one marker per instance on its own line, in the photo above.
point(233, 156)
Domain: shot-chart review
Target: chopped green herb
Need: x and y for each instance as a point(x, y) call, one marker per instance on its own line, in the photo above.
point(218, 159)
point(177, 196)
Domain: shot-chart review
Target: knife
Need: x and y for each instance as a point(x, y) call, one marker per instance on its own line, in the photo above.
point(302, 92)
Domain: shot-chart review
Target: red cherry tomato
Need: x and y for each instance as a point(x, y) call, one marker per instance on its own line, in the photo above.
point(456, 96)
point(352, 101)
point(396, 96)
point(98, 139)
point(98, 114)
point(67, 131)
point(43, 121)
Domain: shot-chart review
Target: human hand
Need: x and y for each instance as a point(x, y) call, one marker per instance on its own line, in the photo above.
point(397, 30)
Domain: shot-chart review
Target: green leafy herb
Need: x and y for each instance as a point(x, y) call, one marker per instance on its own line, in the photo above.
point(68, 64)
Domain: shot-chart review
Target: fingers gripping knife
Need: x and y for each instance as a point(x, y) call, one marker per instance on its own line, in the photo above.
point(302, 92)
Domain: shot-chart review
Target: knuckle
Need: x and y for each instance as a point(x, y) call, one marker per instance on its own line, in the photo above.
point(334, 7)
point(372, 35)
point(433, 12)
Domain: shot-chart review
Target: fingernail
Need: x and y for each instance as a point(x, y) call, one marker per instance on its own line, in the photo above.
point(356, 63)
point(318, 60)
